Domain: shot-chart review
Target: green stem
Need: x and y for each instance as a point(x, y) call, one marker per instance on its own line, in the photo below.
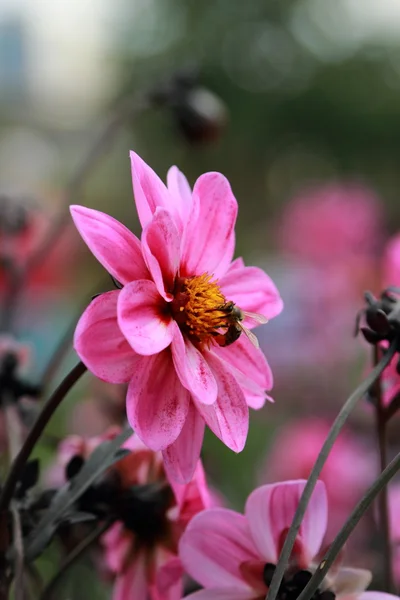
point(35, 433)
point(336, 428)
point(380, 420)
point(345, 532)
point(76, 553)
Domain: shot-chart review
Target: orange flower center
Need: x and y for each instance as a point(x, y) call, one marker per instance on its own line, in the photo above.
point(199, 308)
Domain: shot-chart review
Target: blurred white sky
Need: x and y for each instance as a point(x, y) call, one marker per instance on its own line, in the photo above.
point(69, 42)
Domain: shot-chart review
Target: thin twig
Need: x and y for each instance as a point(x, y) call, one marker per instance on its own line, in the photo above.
point(337, 426)
point(380, 422)
point(18, 549)
point(42, 419)
point(345, 532)
point(14, 430)
point(128, 107)
point(72, 558)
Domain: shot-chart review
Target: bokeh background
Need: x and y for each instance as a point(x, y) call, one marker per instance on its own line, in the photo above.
point(309, 137)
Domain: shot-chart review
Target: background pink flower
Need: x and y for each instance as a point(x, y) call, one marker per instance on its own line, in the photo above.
point(332, 223)
point(233, 556)
point(163, 332)
point(295, 450)
point(142, 551)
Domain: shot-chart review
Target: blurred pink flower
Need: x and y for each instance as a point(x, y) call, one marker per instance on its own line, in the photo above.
point(391, 263)
point(164, 330)
point(295, 450)
point(143, 553)
point(394, 516)
point(233, 556)
point(332, 223)
point(71, 446)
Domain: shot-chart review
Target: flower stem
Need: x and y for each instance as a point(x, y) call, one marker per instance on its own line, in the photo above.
point(337, 426)
point(76, 553)
point(130, 106)
point(345, 532)
point(381, 421)
point(35, 433)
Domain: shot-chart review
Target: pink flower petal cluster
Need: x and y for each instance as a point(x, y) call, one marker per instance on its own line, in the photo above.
point(163, 332)
point(233, 556)
point(295, 450)
point(146, 563)
point(332, 223)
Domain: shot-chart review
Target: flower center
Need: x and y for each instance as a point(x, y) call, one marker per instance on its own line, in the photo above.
point(143, 510)
point(200, 308)
point(293, 584)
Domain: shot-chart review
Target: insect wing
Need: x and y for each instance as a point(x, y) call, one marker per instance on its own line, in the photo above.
point(250, 335)
point(255, 317)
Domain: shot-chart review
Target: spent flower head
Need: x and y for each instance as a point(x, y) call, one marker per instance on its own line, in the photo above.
point(174, 329)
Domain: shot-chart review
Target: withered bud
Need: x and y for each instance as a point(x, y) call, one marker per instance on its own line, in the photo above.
point(199, 114)
point(381, 316)
point(14, 213)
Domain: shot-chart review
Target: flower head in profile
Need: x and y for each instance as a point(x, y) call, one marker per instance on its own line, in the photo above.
point(233, 556)
point(150, 513)
point(173, 330)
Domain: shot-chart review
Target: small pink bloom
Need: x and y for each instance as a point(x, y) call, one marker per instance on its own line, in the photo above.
point(233, 556)
point(167, 331)
point(332, 223)
point(142, 552)
point(295, 450)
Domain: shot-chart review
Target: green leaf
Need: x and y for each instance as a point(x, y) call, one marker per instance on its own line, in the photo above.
point(99, 461)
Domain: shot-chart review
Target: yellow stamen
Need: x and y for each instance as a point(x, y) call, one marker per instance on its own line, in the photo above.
point(198, 307)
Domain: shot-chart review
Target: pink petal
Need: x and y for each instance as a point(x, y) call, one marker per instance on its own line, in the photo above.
point(222, 594)
point(270, 510)
point(114, 246)
point(181, 457)
point(209, 241)
point(180, 190)
point(118, 543)
point(238, 263)
point(168, 581)
point(377, 596)
point(193, 369)
point(150, 192)
point(133, 582)
point(142, 318)
point(243, 357)
point(161, 251)
point(157, 404)
point(228, 417)
point(213, 547)
point(192, 497)
point(252, 290)
point(100, 344)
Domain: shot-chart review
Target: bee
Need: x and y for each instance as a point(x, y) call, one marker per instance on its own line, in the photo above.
point(235, 328)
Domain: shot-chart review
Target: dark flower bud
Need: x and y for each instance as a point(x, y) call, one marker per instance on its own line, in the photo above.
point(14, 214)
point(381, 316)
point(199, 114)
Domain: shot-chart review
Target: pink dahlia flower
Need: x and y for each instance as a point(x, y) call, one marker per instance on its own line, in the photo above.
point(233, 556)
point(142, 550)
point(173, 330)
